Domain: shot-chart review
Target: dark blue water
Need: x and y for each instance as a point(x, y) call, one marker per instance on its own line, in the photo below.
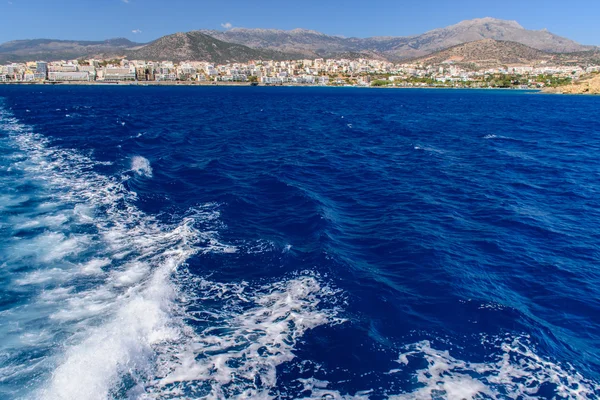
point(298, 243)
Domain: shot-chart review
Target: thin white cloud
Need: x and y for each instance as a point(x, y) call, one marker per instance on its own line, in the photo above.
point(227, 25)
point(125, 1)
point(136, 31)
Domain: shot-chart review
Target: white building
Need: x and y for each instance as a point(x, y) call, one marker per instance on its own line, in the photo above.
point(57, 76)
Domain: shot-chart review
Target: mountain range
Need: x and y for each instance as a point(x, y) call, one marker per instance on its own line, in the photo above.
point(240, 44)
point(315, 44)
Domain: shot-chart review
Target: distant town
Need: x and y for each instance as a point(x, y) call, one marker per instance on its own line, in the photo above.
point(315, 72)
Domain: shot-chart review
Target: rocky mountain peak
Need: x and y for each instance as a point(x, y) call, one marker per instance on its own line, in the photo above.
point(489, 21)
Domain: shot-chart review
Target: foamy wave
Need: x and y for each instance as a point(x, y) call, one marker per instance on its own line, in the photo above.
point(141, 166)
point(238, 351)
point(491, 136)
point(428, 149)
point(318, 389)
point(122, 345)
point(517, 372)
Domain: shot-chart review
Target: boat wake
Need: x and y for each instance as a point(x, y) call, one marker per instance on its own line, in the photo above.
point(104, 299)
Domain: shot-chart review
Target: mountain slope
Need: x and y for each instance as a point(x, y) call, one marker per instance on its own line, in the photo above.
point(490, 53)
point(50, 49)
point(306, 42)
point(487, 53)
point(198, 46)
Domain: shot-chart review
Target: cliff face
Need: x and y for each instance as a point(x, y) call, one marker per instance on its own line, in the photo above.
point(584, 86)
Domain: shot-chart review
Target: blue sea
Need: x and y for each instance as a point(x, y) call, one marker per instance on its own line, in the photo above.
point(298, 243)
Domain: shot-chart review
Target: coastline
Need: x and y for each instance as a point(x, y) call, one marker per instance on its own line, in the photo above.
point(589, 86)
point(560, 91)
point(249, 84)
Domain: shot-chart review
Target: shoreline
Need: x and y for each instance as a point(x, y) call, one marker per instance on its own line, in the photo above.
point(248, 84)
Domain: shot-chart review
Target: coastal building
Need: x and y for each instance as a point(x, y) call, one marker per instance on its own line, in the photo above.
point(142, 73)
point(118, 74)
point(60, 76)
point(41, 70)
point(90, 69)
point(165, 77)
point(268, 80)
point(211, 71)
point(62, 67)
point(28, 76)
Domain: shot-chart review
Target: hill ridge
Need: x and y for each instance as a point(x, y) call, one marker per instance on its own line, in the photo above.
point(491, 53)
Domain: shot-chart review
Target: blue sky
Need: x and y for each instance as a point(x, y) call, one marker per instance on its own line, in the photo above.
point(146, 20)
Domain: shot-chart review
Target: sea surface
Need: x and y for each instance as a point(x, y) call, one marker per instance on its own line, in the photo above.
point(287, 243)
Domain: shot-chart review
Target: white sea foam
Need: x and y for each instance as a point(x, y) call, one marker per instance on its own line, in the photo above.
point(123, 344)
point(517, 372)
point(141, 166)
point(43, 276)
point(237, 354)
point(84, 213)
point(318, 389)
point(428, 149)
point(492, 136)
point(82, 305)
point(131, 274)
point(94, 266)
point(49, 247)
point(47, 221)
